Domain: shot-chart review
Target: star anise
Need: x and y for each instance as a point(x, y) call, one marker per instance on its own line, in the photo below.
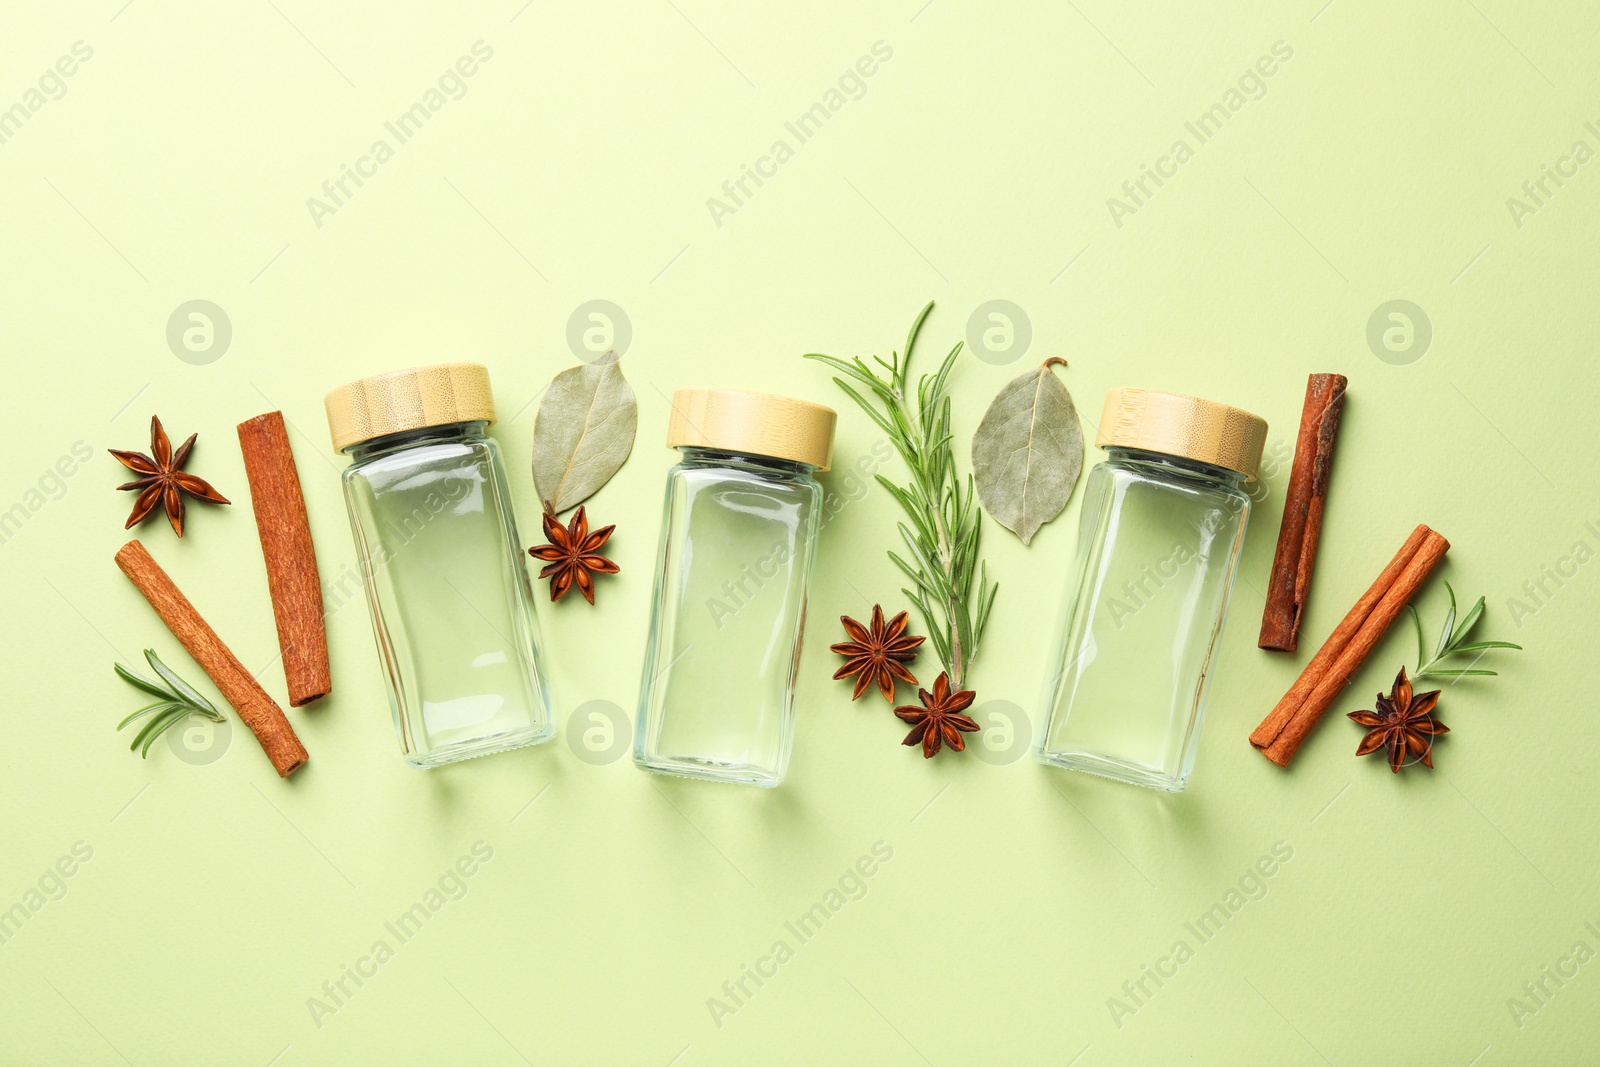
point(939, 719)
point(875, 653)
point(573, 554)
point(1403, 722)
point(164, 480)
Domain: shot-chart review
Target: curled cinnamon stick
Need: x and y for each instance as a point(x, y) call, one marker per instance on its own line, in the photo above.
point(258, 710)
point(1302, 513)
point(1281, 733)
point(285, 532)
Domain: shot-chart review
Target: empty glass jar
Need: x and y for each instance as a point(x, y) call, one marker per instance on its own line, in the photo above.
point(452, 609)
point(716, 699)
point(1162, 524)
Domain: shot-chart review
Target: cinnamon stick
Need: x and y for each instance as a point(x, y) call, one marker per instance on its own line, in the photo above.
point(1302, 513)
point(1281, 733)
point(291, 558)
point(258, 710)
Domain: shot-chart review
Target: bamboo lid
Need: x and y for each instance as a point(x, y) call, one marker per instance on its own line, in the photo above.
point(410, 399)
point(1185, 426)
point(758, 424)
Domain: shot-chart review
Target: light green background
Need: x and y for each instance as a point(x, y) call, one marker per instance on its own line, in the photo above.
point(977, 165)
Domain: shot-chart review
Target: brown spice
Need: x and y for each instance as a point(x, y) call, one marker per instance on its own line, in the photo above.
point(163, 480)
point(285, 532)
point(939, 720)
point(258, 710)
point(875, 653)
point(1302, 513)
point(573, 554)
point(1403, 722)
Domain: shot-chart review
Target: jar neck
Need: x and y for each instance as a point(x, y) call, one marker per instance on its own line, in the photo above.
point(696, 456)
point(388, 444)
point(1162, 464)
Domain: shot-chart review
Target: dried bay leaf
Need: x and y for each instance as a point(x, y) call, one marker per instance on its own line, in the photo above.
point(585, 430)
point(1028, 451)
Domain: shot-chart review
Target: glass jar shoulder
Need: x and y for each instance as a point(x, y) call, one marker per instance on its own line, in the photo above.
point(1201, 483)
point(420, 461)
point(699, 472)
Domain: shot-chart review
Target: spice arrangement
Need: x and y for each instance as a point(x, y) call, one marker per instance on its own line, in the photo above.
point(238, 686)
point(585, 430)
point(1162, 523)
point(1282, 732)
point(950, 585)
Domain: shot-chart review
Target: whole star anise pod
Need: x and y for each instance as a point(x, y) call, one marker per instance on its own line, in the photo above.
point(875, 653)
point(1403, 722)
point(163, 479)
point(939, 719)
point(573, 554)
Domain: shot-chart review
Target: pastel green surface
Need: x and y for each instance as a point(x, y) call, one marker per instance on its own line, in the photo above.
point(975, 163)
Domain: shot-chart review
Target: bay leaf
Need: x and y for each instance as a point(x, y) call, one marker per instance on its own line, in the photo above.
point(1028, 451)
point(585, 429)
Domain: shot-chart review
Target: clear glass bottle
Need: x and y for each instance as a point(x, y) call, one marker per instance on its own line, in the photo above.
point(452, 608)
point(1162, 524)
point(716, 699)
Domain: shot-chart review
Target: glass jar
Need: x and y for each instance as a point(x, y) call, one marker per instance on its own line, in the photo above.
point(716, 699)
point(1162, 524)
point(452, 607)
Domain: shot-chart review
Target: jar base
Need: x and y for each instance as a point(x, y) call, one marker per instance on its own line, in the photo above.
point(710, 770)
point(1115, 769)
point(484, 746)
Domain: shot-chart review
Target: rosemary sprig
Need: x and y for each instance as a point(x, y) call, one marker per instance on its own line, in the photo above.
point(178, 700)
point(1450, 642)
point(944, 519)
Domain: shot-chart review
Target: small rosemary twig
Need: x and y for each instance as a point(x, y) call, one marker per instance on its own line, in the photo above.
point(177, 700)
point(1450, 642)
